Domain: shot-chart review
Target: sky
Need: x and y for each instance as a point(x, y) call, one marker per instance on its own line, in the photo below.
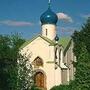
point(23, 16)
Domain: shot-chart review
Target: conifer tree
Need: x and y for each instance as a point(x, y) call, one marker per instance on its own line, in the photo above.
point(82, 52)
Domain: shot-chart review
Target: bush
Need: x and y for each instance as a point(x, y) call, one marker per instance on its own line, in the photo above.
point(61, 87)
point(35, 88)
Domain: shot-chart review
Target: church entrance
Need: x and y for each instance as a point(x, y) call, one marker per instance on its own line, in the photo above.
point(40, 80)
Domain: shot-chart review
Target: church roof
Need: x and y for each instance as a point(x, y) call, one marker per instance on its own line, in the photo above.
point(52, 43)
point(64, 41)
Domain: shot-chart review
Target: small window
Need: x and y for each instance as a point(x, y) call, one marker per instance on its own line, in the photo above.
point(46, 32)
point(56, 53)
point(59, 56)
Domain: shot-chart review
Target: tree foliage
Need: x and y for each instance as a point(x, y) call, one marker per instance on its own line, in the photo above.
point(9, 47)
point(82, 52)
point(25, 73)
point(61, 87)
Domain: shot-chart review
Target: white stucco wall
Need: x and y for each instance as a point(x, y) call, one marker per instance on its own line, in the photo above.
point(41, 48)
point(51, 31)
point(68, 59)
point(36, 48)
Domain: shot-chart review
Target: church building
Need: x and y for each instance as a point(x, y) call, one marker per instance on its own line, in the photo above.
point(51, 58)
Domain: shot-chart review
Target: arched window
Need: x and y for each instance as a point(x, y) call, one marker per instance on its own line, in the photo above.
point(38, 62)
point(57, 56)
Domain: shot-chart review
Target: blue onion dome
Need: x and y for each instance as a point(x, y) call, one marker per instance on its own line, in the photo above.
point(56, 38)
point(49, 17)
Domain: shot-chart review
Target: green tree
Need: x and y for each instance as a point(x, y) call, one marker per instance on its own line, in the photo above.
point(82, 52)
point(61, 87)
point(9, 48)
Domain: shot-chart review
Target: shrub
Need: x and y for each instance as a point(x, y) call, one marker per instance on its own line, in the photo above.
point(61, 87)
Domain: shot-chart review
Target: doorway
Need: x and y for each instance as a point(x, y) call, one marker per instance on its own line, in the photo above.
point(40, 80)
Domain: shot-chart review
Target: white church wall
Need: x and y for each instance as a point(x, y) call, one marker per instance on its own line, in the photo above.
point(36, 48)
point(49, 31)
point(41, 48)
point(50, 76)
point(52, 53)
point(53, 76)
point(68, 59)
point(58, 76)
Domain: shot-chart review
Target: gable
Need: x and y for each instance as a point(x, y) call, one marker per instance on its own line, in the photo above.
point(63, 41)
point(52, 43)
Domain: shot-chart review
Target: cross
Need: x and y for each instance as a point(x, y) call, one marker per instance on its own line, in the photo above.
point(49, 3)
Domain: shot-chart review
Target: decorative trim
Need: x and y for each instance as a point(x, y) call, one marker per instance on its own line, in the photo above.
point(50, 62)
